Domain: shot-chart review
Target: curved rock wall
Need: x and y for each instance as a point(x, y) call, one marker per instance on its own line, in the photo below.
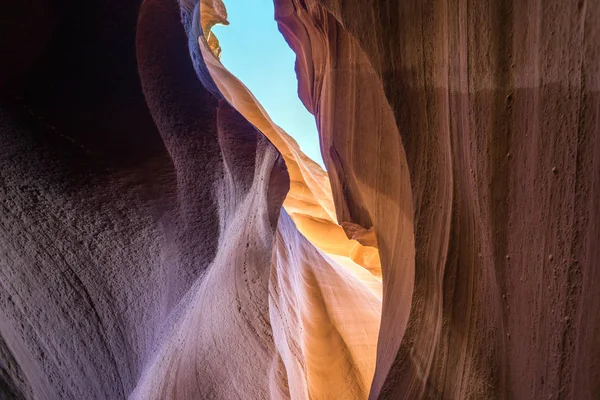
point(326, 291)
point(496, 107)
point(137, 221)
point(161, 238)
point(141, 254)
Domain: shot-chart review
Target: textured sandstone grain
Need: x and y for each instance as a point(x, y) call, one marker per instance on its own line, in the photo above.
point(161, 238)
point(496, 106)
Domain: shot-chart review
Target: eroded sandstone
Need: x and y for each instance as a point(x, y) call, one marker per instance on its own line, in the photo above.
point(161, 238)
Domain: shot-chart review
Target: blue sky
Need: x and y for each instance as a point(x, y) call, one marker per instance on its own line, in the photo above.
point(254, 50)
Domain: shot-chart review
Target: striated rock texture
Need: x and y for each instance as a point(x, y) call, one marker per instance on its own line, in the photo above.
point(477, 124)
point(142, 253)
point(161, 238)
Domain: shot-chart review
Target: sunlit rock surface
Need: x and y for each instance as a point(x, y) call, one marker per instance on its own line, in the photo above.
point(325, 308)
point(141, 254)
point(161, 238)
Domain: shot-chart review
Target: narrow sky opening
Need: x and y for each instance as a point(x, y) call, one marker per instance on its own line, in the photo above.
point(254, 50)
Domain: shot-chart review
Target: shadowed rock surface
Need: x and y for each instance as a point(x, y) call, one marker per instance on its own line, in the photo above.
point(161, 238)
point(496, 108)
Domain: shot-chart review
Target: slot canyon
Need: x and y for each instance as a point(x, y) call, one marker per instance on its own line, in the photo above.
point(162, 238)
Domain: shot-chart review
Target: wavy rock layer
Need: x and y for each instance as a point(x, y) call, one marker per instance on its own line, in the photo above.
point(309, 200)
point(161, 238)
point(142, 251)
point(478, 124)
point(326, 291)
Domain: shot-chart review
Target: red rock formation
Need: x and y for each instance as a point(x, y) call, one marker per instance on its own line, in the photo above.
point(144, 251)
point(496, 107)
point(138, 250)
point(137, 221)
point(325, 303)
